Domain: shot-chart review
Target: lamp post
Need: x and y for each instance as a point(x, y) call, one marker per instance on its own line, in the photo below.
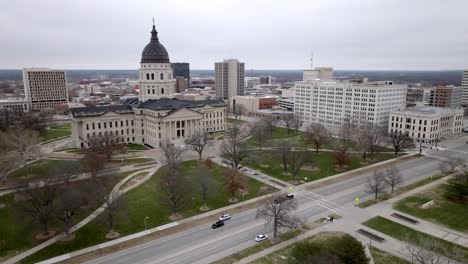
point(146, 218)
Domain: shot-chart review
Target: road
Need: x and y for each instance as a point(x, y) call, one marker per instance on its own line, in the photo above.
point(204, 245)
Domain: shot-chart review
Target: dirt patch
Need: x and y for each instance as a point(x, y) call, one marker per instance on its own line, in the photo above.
point(310, 168)
point(233, 200)
point(68, 238)
point(264, 165)
point(204, 208)
point(286, 174)
point(45, 236)
point(112, 235)
point(175, 217)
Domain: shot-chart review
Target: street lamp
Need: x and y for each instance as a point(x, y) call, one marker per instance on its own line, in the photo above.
point(146, 218)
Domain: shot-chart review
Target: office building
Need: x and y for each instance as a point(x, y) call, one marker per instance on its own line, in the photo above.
point(229, 78)
point(321, 73)
point(253, 103)
point(427, 124)
point(265, 79)
point(464, 86)
point(443, 96)
point(15, 104)
point(44, 88)
point(181, 84)
point(181, 69)
point(332, 103)
point(156, 116)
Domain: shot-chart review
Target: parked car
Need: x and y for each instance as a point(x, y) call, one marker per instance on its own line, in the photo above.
point(261, 237)
point(217, 224)
point(224, 217)
point(281, 199)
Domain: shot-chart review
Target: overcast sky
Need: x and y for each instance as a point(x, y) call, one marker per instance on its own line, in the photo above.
point(270, 34)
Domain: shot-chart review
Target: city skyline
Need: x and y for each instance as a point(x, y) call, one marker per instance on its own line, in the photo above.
point(395, 35)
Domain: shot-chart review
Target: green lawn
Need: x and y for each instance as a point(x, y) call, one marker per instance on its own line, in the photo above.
point(38, 168)
point(321, 167)
point(17, 229)
point(143, 201)
point(400, 232)
point(55, 131)
point(136, 147)
point(383, 257)
point(446, 212)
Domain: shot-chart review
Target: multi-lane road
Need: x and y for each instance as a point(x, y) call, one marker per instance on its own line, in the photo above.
point(204, 245)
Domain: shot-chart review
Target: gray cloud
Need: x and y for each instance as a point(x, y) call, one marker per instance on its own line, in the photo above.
point(345, 34)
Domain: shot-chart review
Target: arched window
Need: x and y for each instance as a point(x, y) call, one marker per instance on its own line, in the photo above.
point(162, 90)
point(170, 76)
point(161, 76)
point(152, 76)
point(147, 76)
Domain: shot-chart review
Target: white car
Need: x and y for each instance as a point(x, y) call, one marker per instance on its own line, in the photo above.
point(224, 217)
point(261, 237)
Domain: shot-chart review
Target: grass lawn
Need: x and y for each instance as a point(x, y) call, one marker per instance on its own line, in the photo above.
point(383, 257)
point(322, 165)
point(56, 131)
point(445, 212)
point(144, 201)
point(399, 231)
point(136, 147)
point(39, 167)
point(17, 229)
point(402, 190)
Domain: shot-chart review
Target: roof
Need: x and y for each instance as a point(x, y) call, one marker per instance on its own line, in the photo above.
point(154, 51)
point(101, 110)
point(173, 104)
point(429, 111)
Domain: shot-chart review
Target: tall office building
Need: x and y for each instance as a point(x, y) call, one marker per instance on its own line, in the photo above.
point(464, 86)
point(181, 69)
point(332, 103)
point(265, 79)
point(229, 78)
point(44, 88)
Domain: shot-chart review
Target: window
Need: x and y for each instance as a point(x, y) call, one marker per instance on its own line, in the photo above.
point(162, 90)
point(161, 76)
point(147, 76)
point(152, 76)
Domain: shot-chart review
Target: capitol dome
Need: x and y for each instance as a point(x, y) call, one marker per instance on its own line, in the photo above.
point(154, 52)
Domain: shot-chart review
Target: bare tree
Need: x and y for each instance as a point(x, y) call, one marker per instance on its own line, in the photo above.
point(171, 153)
point(107, 144)
point(317, 134)
point(271, 122)
point(345, 133)
point(427, 250)
point(113, 204)
point(239, 110)
point(260, 133)
point(296, 160)
point(296, 122)
point(204, 176)
point(400, 142)
point(67, 202)
point(376, 184)
point(341, 156)
point(283, 153)
point(36, 121)
point(279, 214)
point(443, 166)
point(234, 149)
point(92, 162)
point(234, 182)
point(288, 121)
point(22, 142)
point(455, 163)
point(393, 178)
point(8, 161)
point(198, 142)
point(173, 190)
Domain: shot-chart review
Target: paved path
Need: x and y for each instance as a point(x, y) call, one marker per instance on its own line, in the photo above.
point(116, 192)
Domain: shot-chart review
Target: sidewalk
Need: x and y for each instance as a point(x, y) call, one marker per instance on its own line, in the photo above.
point(116, 191)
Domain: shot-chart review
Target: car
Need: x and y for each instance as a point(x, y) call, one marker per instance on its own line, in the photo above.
point(217, 224)
point(261, 237)
point(281, 199)
point(224, 217)
point(255, 173)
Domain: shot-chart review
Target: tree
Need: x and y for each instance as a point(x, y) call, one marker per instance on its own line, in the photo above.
point(280, 215)
point(427, 250)
point(457, 187)
point(317, 134)
point(345, 132)
point(22, 142)
point(113, 204)
point(235, 150)
point(455, 163)
point(204, 176)
point(8, 160)
point(342, 156)
point(198, 142)
point(296, 122)
point(92, 162)
point(288, 121)
point(171, 153)
point(350, 250)
point(234, 182)
point(296, 160)
point(271, 123)
point(393, 178)
point(173, 190)
point(107, 144)
point(39, 201)
point(400, 141)
point(376, 184)
point(260, 133)
point(443, 166)
point(370, 136)
point(36, 121)
point(67, 202)
point(283, 153)
point(312, 253)
point(239, 110)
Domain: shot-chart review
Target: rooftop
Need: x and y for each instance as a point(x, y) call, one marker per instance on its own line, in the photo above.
point(429, 110)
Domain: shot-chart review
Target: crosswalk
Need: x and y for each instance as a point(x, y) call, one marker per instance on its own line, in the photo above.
point(322, 201)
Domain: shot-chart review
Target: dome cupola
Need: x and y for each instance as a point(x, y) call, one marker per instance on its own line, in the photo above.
point(154, 52)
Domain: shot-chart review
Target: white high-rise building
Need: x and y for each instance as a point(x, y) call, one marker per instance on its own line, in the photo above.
point(155, 73)
point(45, 88)
point(229, 78)
point(464, 86)
point(332, 103)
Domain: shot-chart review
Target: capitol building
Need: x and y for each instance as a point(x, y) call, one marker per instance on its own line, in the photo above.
point(157, 116)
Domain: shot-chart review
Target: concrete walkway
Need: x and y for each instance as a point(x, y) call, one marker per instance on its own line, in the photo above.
point(116, 192)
